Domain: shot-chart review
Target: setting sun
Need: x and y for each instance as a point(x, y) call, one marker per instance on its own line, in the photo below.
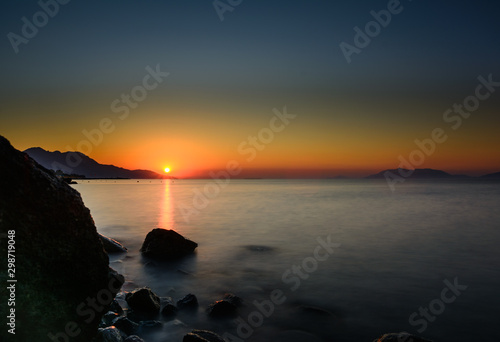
point(167, 169)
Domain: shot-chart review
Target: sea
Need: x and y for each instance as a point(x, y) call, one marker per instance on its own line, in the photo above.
point(314, 260)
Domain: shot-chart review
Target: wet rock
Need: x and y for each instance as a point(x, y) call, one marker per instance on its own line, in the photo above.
point(116, 307)
point(133, 338)
point(110, 334)
point(62, 261)
point(169, 309)
point(112, 246)
point(108, 319)
point(188, 302)
point(149, 326)
point(233, 299)
point(400, 337)
point(143, 300)
point(126, 325)
point(166, 244)
point(222, 308)
point(202, 336)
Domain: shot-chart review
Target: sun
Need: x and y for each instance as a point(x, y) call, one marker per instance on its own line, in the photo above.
point(167, 169)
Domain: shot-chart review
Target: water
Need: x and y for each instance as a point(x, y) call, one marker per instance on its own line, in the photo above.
point(396, 252)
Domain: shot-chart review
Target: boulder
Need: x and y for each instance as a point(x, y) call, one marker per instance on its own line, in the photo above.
point(166, 244)
point(169, 309)
point(400, 337)
point(143, 300)
point(112, 246)
point(60, 260)
point(222, 308)
point(189, 301)
point(202, 336)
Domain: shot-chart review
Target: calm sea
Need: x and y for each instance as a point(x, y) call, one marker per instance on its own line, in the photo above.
point(390, 260)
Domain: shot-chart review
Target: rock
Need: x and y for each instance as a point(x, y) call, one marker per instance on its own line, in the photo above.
point(166, 245)
point(143, 300)
point(134, 338)
point(116, 307)
point(233, 299)
point(400, 337)
point(222, 308)
point(202, 336)
point(60, 260)
point(112, 246)
point(149, 326)
point(169, 309)
point(188, 302)
point(126, 325)
point(109, 334)
point(108, 319)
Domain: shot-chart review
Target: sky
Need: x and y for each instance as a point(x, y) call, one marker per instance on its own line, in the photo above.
point(294, 88)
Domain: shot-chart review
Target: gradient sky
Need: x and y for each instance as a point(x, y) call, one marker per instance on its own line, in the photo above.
point(226, 77)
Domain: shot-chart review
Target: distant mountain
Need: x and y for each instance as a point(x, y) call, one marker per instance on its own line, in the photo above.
point(418, 174)
point(79, 163)
point(495, 175)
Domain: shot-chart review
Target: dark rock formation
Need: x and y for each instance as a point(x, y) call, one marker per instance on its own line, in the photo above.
point(166, 244)
point(126, 325)
point(400, 337)
point(187, 302)
point(146, 327)
point(222, 308)
point(169, 309)
point(233, 299)
point(143, 300)
point(202, 336)
point(109, 334)
point(134, 338)
point(60, 261)
point(112, 246)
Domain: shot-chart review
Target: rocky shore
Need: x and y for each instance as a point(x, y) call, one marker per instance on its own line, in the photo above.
point(65, 289)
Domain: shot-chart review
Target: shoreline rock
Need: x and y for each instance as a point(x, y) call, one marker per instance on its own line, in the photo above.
point(166, 244)
point(60, 258)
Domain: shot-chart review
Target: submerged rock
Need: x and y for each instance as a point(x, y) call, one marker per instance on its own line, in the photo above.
point(60, 260)
point(112, 246)
point(166, 244)
point(189, 301)
point(202, 336)
point(400, 337)
point(143, 300)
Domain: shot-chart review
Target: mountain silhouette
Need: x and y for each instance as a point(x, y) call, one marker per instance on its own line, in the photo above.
point(80, 164)
point(495, 175)
point(418, 174)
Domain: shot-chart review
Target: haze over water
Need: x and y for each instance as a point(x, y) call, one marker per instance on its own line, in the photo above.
point(396, 252)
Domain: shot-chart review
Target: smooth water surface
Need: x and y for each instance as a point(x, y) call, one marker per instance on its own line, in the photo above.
point(396, 252)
